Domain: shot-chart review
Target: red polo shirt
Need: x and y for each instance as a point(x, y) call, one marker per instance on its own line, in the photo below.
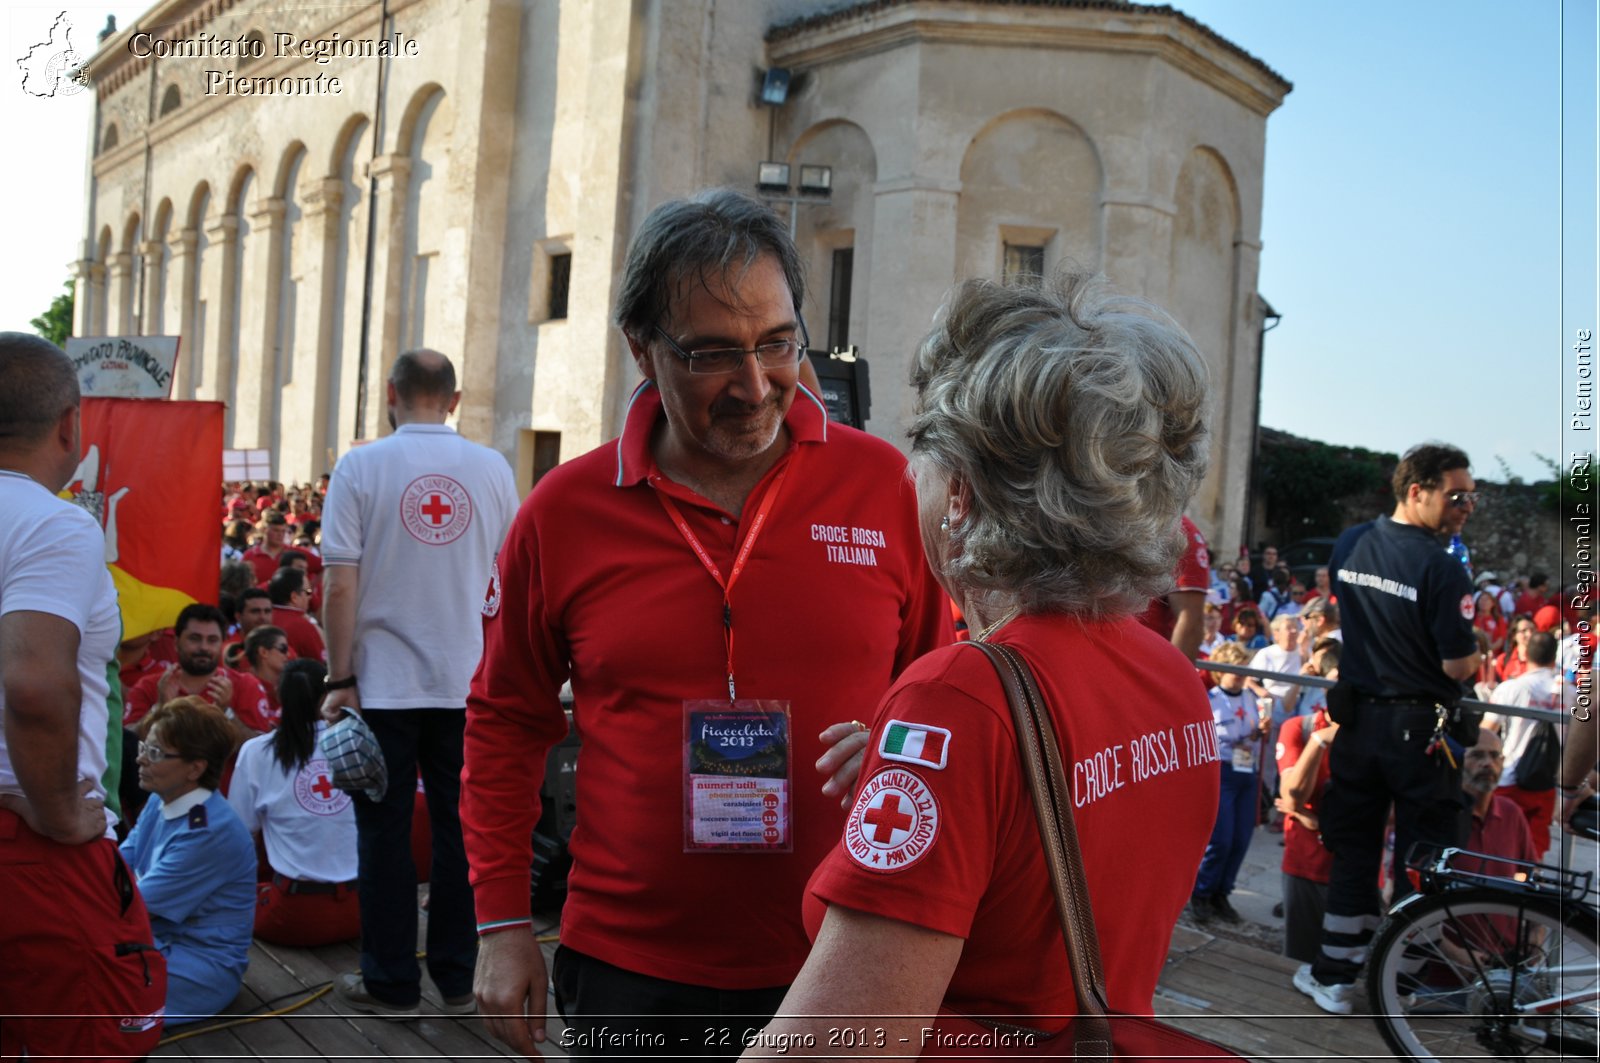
point(250, 704)
point(595, 583)
point(1193, 574)
point(304, 637)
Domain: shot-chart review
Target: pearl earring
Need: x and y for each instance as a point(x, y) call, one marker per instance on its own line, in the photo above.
point(944, 524)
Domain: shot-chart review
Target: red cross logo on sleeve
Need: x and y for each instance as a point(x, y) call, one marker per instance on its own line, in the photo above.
point(887, 818)
point(323, 788)
point(893, 823)
point(436, 509)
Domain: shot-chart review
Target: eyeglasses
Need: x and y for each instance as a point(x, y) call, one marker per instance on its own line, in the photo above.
point(710, 361)
point(152, 753)
point(1462, 499)
point(280, 649)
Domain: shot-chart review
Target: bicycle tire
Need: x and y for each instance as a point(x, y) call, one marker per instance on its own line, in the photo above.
point(1446, 970)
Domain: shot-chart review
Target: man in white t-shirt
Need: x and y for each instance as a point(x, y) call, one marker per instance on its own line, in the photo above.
point(80, 975)
point(1282, 656)
point(1540, 687)
point(410, 530)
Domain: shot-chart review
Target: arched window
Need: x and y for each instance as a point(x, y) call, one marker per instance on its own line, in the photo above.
point(253, 47)
point(170, 100)
point(108, 139)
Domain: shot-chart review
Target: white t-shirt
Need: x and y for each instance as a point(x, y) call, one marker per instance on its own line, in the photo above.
point(422, 513)
point(1273, 659)
point(308, 826)
point(53, 560)
point(1537, 688)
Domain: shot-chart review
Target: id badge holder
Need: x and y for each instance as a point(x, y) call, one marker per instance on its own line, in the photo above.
point(1243, 759)
point(737, 776)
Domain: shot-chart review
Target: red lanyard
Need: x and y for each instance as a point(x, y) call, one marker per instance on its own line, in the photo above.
point(756, 524)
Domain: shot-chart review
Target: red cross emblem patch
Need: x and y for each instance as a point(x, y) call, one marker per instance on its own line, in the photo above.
point(435, 509)
point(314, 790)
point(894, 822)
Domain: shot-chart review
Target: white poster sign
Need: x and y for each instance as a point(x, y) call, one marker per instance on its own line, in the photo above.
point(124, 367)
point(240, 465)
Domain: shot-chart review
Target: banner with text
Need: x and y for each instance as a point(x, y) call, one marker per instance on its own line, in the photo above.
point(124, 367)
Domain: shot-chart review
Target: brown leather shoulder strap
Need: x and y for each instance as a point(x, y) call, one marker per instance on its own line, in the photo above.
point(1052, 805)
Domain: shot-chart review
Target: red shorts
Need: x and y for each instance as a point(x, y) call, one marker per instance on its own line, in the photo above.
point(81, 975)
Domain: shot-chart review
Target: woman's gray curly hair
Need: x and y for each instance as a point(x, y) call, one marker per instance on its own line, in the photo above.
point(1077, 418)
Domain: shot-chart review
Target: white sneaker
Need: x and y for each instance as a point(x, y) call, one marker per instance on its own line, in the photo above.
point(1335, 999)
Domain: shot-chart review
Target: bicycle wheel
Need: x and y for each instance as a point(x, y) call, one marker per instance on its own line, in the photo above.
point(1454, 976)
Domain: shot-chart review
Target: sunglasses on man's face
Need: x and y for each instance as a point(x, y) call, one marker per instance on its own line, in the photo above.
point(1462, 499)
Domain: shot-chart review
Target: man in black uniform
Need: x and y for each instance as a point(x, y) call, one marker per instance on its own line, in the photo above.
point(1407, 612)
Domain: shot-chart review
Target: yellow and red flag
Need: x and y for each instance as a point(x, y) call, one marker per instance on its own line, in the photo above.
point(150, 474)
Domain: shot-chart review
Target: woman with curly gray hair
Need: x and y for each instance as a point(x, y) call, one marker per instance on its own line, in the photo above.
point(1058, 435)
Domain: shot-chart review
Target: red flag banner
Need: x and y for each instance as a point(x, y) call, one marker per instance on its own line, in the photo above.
point(150, 475)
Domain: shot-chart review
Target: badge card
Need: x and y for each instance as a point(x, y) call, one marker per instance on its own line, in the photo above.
point(737, 777)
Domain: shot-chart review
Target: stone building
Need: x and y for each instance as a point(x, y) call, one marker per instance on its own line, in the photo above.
point(272, 184)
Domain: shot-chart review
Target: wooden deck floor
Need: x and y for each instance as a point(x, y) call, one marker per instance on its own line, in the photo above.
point(1232, 993)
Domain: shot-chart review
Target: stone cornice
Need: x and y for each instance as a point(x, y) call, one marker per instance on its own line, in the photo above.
point(1063, 25)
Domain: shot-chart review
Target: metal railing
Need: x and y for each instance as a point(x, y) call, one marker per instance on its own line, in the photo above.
point(1318, 681)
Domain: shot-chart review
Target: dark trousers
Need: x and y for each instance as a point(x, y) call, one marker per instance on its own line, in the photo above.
point(1377, 759)
point(618, 1014)
point(429, 741)
point(1230, 837)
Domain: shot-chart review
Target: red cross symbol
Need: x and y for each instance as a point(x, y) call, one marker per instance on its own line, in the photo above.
point(1238, 714)
point(437, 509)
point(323, 788)
point(887, 818)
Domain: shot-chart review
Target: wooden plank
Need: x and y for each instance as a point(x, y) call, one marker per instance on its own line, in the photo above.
point(433, 1034)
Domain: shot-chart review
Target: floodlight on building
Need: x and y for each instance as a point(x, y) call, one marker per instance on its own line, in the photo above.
point(772, 176)
point(775, 87)
point(816, 180)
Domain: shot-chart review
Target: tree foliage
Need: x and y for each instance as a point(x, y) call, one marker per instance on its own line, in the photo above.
point(1302, 482)
point(55, 324)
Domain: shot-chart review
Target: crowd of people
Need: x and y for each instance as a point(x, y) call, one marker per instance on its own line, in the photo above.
point(800, 796)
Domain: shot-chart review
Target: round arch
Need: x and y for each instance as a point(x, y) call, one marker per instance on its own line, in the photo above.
point(286, 164)
point(418, 106)
point(199, 199)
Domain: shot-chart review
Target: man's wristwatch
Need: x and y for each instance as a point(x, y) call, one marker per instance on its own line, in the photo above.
point(340, 684)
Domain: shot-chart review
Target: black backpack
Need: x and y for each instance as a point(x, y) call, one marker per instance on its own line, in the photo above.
point(1540, 764)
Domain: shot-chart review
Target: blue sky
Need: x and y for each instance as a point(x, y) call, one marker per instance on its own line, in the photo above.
point(1413, 223)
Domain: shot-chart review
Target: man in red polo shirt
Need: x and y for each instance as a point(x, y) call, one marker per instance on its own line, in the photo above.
point(290, 599)
point(263, 557)
point(1180, 616)
point(734, 569)
point(200, 672)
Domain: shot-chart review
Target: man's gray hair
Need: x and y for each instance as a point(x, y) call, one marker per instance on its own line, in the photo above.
point(1077, 418)
point(714, 236)
point(37, 386)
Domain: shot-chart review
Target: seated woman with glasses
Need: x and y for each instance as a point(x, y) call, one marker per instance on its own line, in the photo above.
point(194, 861)
point(282, 791)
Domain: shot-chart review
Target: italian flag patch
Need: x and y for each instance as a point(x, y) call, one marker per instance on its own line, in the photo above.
point(915, 743)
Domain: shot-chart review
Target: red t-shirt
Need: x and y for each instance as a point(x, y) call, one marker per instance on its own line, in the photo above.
point(1304, 855)
point(1193, 574)
point(249, 704)
point(946, 837)
point(304, 637)
point(1508, 665)
point(595, 582)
